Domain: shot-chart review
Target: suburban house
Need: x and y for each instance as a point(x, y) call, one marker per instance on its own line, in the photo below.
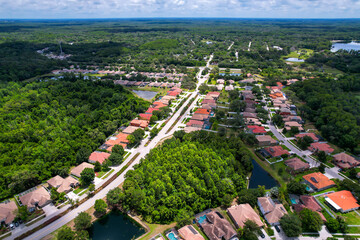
point(312, 135)
point(256, 129)
point(239, 214)
point(265, 140)
point(318, 181)
point(345, 161)
point(250, 110)
point(195, 123)
point(252, 121)
point(293, 119)
point(272, 211)
point(276, 151)
point(98, 157)
point(249, 115)
point(7, 212)
point(120, 139)
point(342, 201)
point(202, 111)
point(216, 227)
point(130, 130)
point(63, 184)
point(200, 117)
point(37, 198)
point(289, 125)
point(214, 95)
point(139, 123)
point(309, 202)
point(229, 88)
point(297, 165)
point(76, 171)
point(318, 147)
point(285, 112)
point(220, 81)
point(189, 129)
point(145, 116)
point(188, 232)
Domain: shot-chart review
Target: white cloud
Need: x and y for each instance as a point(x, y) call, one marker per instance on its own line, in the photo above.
point(178, 8)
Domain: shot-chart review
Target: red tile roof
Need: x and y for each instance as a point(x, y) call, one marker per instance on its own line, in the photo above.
point(344, 199)
point(150, 110)
point(139, 123)
point(320, 147)
point(145, 116)
point(344, 160)
point(99, 157)
point(296, 164)
point(276, 151)
point(195, 122)
point(318, 180)
point(256, 129)
point(312, 135)
point(203, 111)
point(310, 203)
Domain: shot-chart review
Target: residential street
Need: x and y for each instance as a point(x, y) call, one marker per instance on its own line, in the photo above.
point(142, 149)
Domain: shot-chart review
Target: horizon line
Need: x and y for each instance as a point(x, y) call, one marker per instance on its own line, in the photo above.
point(198, 18)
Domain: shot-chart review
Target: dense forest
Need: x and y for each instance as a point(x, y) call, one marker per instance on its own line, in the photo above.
point(333, 105)
point(45, 124)
point(186, 175)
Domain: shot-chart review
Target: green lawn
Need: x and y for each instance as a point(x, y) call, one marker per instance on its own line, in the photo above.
point(79, 189)
point(101, 174)
point(107, 174)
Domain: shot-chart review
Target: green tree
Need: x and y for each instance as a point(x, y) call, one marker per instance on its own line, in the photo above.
point(82, 221)
point(65, 233)
point(252, 226)
point(54, 194)
point(311, 221)
point(118, 149)
point(22, 213)
point(83, 155)
point(87, 176)
point(294, 131)
point(322, 156)
point(154, 132)
point(291, 224)
point(296, 187)
point(82, 235)
point(91, 187)
point(278, 120)
point(237, 105)
point(100, 206)
point(332, 225)
point(114, 197)
point(153, 119)
point(106, 165)
point(116, 158)
point(97, 167)
point(322, 168)
point(343, 226)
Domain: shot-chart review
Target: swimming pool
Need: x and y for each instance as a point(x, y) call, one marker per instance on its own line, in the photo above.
point(293, 201)
point(171, 236)
point(201, 219)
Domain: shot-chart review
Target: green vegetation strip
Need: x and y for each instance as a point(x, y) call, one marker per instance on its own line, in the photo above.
point(182, 113)
point(127, 165)
point(106, 175)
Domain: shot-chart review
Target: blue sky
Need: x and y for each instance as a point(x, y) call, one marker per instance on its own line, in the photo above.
point(179, 8)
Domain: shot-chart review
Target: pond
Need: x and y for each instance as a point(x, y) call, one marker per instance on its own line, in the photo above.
point(294, 60)
point(148, 95)
point(115, 225)
point(345, 46)
point(260, 177)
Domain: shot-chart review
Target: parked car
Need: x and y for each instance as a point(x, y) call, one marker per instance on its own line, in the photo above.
point(17, 224)
point(277, 228)
point(12, 226)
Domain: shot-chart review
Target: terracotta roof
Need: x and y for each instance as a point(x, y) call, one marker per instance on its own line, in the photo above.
point(38, 197)
point(216, 94)
point(7, 211)
point(199, 117)
point(217, 228)
point(68, 184)
point(243, 212)
point(203, 111)
point(159, 104)
point(344, 199)
point(256, 129)
point(296, 164)
point(265, 138)
point(150, 110)
point(312, 135)
point(195, 122)
point(139, 123)
point(76, 171)
point(344, 160)
point(310, 203)
point(321, 147)
point(130, 129)
point(188, 232)
point(55, 181)
point(276, 214)
point(99, 157)
point(276, 151)
point(249, 115)
point(318, 180)
point(207, 101)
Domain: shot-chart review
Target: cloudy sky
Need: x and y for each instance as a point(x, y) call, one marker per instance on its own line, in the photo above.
point(179, 8)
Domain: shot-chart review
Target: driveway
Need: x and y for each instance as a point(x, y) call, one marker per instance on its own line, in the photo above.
point(50, 209)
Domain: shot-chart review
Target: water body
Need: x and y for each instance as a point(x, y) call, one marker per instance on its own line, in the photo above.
point(260, 177)
point(114, 226)
point(148, 95)
point(294, 60)
point(345, 46)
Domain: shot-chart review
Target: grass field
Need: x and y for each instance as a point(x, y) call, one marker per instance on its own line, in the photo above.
point(301, 54)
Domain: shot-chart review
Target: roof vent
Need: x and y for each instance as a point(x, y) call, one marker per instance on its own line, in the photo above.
point(314, 180)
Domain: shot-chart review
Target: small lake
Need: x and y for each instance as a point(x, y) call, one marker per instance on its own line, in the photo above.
point(294, 60)
point(345, 46)
point(148, 95)
point(114, 226)
point(260, 177)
